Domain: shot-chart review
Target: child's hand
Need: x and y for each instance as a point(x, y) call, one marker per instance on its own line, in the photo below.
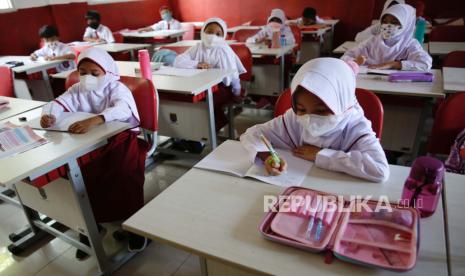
point(33, 57)
point(387, 65)
point(47, 121)
point(203, 65)
point(275, 169)
point(306, 152)
point(49, 58)
point(84, 125)
point(360, 60)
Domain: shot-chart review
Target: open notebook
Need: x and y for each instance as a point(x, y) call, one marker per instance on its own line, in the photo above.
point(230, 157)
point(64, 121)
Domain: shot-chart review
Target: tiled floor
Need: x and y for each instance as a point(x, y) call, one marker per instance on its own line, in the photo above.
point(55, 257)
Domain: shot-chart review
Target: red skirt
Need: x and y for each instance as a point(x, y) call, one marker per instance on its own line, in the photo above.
point(113, 175)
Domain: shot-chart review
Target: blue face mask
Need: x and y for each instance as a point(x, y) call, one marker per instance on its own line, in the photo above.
point(167, 16)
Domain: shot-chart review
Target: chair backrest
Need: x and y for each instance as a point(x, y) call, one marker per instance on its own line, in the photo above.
point(119, 38)
point(373, 109)
point(454, 59)
point(448, 33)
point(370, 103)
point(144, 94)
point(297, 35)
point(244, 54)
point(190, 31)
point(448, 123)
point(6, 82)
point(177, 49)
point(242, 34)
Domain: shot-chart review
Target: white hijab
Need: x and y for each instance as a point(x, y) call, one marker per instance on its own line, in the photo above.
point(278, 13)
point(333, 81)
point(389, 2)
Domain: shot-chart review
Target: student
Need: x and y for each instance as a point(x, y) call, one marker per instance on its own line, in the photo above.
point(167, 22)
point(375, 29)
point(395, 47)
point(325, 125)
point(114, 179)
point(53, 49)
point(214, 52)
point(309, 17)
point(96, 32)
point(276, 23)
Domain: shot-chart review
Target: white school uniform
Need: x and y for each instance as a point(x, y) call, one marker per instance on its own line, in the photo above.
point(113, 100)
point(318, 20)
point(267, 31)
point(162, 25)
point(403, 47)
point(56, 50)
point(218, 56)
point(102, 32)
point(350, 147)
point(375, 29)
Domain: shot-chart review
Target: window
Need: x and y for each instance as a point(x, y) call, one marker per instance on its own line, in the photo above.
point(6, 5)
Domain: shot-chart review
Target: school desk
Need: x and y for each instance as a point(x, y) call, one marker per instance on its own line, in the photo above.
point(64, 201)
point(180, 119)
point(197, 24)
point(31, 67)
point(349, 45)
point(216, 216)
point(123, 47)
point(443, 48)
point(403, 124)
point(243, 27)
point(190, 43)
point(164, 34)
point(18, 106)
point(454, 79)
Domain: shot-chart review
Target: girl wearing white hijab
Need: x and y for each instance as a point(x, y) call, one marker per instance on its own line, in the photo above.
point(395, 47)
point(325, 125)
point(114, 176)
point(375, 29)
point(276, 23)
point(214, 52)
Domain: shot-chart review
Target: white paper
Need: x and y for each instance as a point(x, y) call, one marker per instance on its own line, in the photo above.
point(63, 122)
point(177, 72)
point(366, 70)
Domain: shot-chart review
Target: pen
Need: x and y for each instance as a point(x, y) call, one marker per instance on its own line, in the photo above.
point(273, 153)
point(319, 217)
point(315, 204)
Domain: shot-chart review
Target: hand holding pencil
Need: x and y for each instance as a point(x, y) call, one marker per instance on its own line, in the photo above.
point(274, 165)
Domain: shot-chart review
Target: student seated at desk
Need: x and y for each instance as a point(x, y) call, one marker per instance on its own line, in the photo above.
point(309, 17)
point(214, 52)
point(395, 47)
point(325, 125)
point(167, 22)
point(276, 26)
point(96, 32)
point(375, 29)
point(53, 49)
point(114, 177)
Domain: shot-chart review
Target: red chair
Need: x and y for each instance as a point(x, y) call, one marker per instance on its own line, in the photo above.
point(146, 98)
point(448, 33)
point(455, 59)
point(448, 123)
point(370, 103)
point(298, 37)
point(242, 34)
point(190, 31)
point(6, 82)
point(244, 54)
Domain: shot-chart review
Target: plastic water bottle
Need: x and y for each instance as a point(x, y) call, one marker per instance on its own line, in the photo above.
point(420, 30)
point(423, 187)
point(144, 62)
point(282, 40)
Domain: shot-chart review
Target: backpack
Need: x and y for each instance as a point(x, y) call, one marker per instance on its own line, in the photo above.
point(455, 163)
point(165, 56)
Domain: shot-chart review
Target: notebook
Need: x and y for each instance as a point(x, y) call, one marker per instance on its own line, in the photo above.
point(366, 70)
point(232, 158)
point(17, 139)
point(177, 72)
point(65, 120)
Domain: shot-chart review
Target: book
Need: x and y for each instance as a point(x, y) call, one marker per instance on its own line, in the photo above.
point(232, 158)
point(16, 139)
point(65, 120)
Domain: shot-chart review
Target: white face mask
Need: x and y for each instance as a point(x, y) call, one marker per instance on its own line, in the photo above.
point(317, 125)
point(211, 40)
point(91, 83)
point(389, 31)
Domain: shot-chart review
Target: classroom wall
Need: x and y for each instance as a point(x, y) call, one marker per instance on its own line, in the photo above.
point(354, 15)
point(18, 29)
point(434, 8)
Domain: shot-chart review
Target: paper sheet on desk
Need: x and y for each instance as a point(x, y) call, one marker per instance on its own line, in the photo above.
point(177, 72)
point(366, 70)
point(16, 139)
point(64, 121)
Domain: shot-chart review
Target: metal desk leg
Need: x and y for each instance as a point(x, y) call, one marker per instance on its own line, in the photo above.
point(281, 77)
point(421, 125)
point(132, 55)
point(203, 266)
point(47, 83)
point(211, 118)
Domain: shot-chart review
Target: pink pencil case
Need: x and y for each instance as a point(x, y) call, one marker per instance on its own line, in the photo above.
point(411, 77)
point(381, 239)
